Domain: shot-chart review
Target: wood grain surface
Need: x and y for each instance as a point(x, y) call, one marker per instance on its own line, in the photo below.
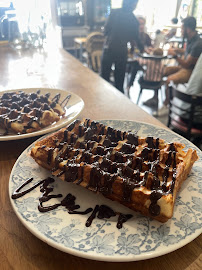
point(54, 68)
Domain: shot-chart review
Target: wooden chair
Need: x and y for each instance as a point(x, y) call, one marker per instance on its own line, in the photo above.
point(151, 78)
point(193, 107)
point(94, 46)
point(96, 60)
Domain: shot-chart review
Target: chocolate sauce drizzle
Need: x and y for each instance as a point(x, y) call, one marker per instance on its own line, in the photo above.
point(102, 211)
point(122, 219)
point(17, 194)
point(14, 107)
point(108, 165)
point(65, 101)
point(45, 190)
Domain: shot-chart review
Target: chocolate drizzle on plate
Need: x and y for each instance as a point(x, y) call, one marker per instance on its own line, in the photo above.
point(17, 193)
point(122, 219)
point(45, 190)
point(69, 202)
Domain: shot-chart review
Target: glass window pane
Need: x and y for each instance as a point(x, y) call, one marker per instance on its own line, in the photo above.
point(101, 10)
point(71, 12)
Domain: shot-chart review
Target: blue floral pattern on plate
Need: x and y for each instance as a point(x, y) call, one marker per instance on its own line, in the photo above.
point(140, 238)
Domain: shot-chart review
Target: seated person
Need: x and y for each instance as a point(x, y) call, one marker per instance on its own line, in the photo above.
point(194, 87)
point(144, 37)
point(147, 43)
point(172, 31)
point(186, 59)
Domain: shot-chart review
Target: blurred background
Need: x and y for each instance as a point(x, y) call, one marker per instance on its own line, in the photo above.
point(32, 20)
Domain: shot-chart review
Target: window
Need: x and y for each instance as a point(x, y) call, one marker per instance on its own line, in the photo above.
point(157, 12)
point(197, 12)
point(71, 12)
point(116, 3)
point(101, 10)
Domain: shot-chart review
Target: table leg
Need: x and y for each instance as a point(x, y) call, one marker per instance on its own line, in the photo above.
point(81, 52)
point(75, 50)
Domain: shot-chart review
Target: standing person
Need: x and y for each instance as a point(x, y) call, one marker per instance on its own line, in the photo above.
point(122, 27)
point(147, 43)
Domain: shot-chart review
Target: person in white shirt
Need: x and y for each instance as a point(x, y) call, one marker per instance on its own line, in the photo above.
point(194, 87)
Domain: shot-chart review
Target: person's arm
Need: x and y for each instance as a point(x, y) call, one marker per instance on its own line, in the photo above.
point(192, 58)
point(171, 33)
point(195, 81)
point(136, 37)
point(148, 44)
point(176, 51)
point(139, 43)
point(189, 62)
point(148, 41)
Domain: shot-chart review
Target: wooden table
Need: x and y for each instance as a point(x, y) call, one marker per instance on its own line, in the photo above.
point(19, 249)
point(81, 41)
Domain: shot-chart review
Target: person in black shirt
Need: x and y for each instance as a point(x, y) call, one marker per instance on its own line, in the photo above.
point(147, 43)
point(144, 37)
point(122, 27)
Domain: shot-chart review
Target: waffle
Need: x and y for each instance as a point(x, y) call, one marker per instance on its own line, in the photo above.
point(143, 174)
point(22, 112)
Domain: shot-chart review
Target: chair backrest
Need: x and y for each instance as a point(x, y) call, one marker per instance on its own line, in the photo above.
point(94, 42)
point(193, 100)
point(185, 107)
point(153, 67)
point(96, 60)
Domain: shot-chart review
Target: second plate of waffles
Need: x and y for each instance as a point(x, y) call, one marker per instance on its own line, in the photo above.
point(36, 111)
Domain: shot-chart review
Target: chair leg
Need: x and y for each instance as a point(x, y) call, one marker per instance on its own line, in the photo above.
point(140, 93)
point(161, 95)
point(169, 119)
point(157, 103)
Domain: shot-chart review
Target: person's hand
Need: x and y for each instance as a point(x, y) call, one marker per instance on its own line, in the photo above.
point(172, 52)
point(148, 50)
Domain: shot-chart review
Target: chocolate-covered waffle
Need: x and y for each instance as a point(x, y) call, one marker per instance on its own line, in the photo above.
point(22, 112)
point(143, 174)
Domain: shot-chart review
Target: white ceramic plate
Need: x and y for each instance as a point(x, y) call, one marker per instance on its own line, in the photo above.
point(72, 110)
point(140, 238)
